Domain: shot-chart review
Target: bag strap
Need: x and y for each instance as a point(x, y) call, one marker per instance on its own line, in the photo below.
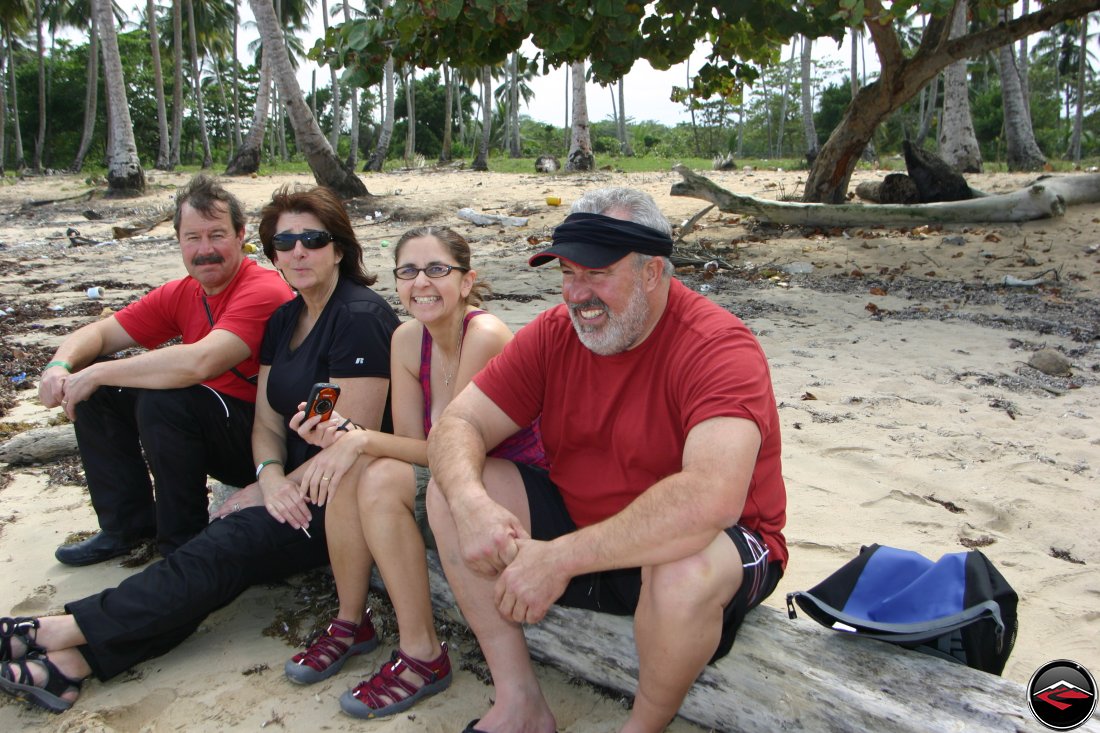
point(210, 317)
point(909, 633)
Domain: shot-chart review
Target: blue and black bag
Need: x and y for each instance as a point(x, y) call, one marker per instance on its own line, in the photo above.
point(959, 608)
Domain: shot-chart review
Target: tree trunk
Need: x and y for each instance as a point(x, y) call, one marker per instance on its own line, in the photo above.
point(163, 148)
point(481, 162)
point(177, 84)
point(327, 169)
point(382, 147)
point(1045, 198)
point(247, 159)
point(580, 145)
point(334, 134)
point(124, 174)
point(91, 98)
point(17, 134)
point(932, 95)
point(1022, 152)
point(784, 97)
point(236, 115)
point(410, 115)
point(625, 148)
point(353, 144)
point(514, 150)
point(1074, 152)
point(448, 114)
point(3, 104)
point(1022, 61)
point(958, 145)
point(809, 131)
point(207, 159)
point(40, 136)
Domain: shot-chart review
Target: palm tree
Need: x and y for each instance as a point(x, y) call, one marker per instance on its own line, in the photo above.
point(958, 145)
point(207, 159)
point(177, 85)
point(327, 169)
point(124, 174)
point(164, 144)
point(625, 148)
point(1022, 151)
point(40, 137)
point(246, 161)
point(448, 113)
point(17, 18)
point(809, 132)
point(410, 113)
point(481, 162)
point(336, 109)
point(353, 143)
point(580, 144)
point(1074, 152)
point(385, 135)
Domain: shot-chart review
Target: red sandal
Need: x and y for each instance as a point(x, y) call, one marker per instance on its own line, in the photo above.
point(369, 698)
point(328, 652)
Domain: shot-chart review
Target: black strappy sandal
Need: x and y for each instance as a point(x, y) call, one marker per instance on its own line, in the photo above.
point(46, 696)
point(23, 628)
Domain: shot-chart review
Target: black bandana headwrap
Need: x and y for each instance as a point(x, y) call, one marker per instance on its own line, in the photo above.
point(595, 241)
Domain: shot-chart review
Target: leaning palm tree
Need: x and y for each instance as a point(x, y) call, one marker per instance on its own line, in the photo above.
point(164, 144)
point(327, 168)
point(1022, 150)
point(382, 147)
point(247, 159)
point(125, 176)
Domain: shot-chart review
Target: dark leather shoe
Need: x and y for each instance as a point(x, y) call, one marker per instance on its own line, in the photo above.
point(97, 548)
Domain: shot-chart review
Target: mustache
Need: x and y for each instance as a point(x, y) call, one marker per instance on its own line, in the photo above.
point(592, 302)
point(210, 259)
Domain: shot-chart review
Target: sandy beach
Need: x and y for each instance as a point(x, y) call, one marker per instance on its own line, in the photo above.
point(910, 413)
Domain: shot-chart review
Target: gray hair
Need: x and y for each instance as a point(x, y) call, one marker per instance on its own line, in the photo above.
point(640, 207)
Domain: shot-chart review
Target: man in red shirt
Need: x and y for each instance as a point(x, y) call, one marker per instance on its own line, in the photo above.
point(665, 496)
point(187, 407)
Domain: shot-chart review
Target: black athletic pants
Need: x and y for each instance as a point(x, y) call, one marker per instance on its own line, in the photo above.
point(187, 434)
point(152, 612)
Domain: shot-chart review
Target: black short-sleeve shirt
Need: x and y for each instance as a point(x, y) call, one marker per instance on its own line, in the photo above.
point(350, 339)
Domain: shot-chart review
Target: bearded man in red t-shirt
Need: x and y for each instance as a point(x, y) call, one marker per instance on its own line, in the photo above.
point(664, 499)
point(181, 412)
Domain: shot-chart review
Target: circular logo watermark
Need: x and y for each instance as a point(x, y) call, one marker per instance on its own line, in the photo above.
point(1062, 694)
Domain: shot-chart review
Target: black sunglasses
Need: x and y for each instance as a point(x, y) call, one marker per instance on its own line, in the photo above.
point(310, 239)
point(408, 272)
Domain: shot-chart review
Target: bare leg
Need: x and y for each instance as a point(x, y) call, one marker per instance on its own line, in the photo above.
point(677, 627)
point(348, 553)
point(59, 636)
point(386, 503)
point(519, 706)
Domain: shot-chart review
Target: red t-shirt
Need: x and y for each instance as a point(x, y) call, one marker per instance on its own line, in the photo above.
point(615, 425)
point(175, 309)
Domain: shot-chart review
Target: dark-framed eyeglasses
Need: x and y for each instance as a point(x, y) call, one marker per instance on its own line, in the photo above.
point(408, 272)
point(310, 239)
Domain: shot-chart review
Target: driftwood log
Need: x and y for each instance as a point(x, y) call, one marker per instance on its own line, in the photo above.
point(39, 445)
point(785, 675)
point(1047, 197)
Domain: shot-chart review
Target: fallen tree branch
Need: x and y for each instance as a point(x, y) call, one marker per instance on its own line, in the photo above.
point(1043, 199)
point(786, 675)
point(39, 445)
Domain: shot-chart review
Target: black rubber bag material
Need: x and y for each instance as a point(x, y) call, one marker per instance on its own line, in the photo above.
point(972, 622)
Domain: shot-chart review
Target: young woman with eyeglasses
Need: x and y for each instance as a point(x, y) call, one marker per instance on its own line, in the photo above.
point(376, 481)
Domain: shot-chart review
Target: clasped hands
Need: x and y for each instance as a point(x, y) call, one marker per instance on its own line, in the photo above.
point(494, 544)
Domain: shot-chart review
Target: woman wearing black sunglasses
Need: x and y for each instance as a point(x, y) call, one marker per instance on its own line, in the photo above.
point(378, 481)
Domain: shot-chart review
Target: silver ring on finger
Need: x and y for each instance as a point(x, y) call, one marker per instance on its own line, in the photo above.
point(236, 507)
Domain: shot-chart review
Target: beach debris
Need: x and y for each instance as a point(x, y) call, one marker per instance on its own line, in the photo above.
point(483, 220)
point(948, 505)
point(94, 293)
point(957, 240)
point(1051, 362)
point(76, 239)
point(797, 268)
point(40, 445)
point(1061, 554)
point(255, 669)
point(547, 164)
point(974, 543)
point(724, 163)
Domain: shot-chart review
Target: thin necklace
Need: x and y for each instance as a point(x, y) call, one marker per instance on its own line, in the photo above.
point(449, 374)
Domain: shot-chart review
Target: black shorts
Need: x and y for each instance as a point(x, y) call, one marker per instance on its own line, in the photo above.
point(617, 591)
